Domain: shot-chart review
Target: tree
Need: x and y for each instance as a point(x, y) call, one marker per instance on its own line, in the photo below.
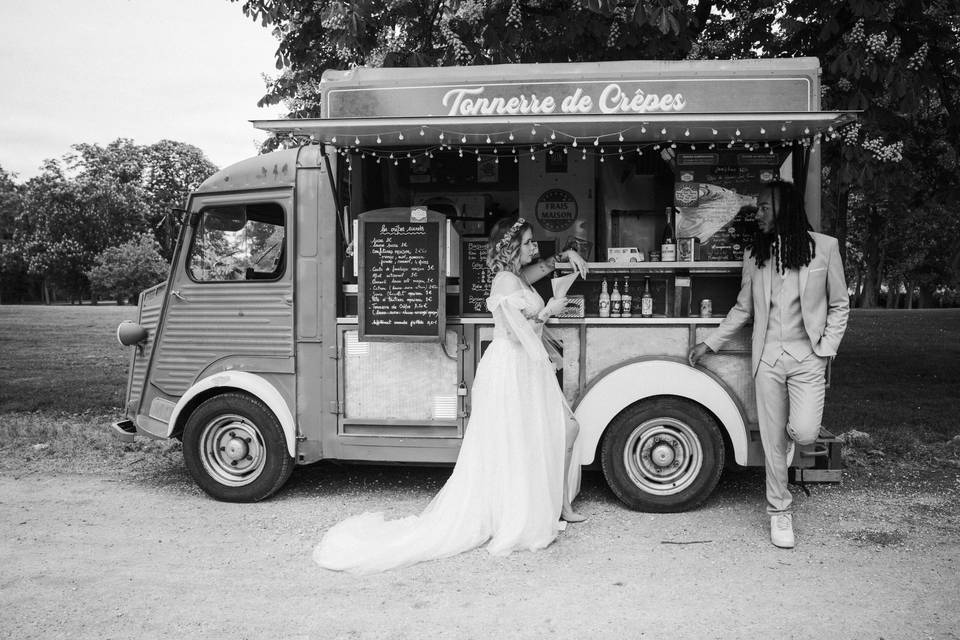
point(171, 170)
point(333, 34)
point(12, 269)
point(124, 270)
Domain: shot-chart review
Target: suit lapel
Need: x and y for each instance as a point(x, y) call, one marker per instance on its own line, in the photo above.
point(765, 272)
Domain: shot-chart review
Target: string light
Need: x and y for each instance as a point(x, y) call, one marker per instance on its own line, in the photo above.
point(356, 141)
point(488, 139)
point(421, 131)
point(379, 140)
point(400, 136)
point(596, 142)
point(333, 140)
point(553, 135)
point(510, 137)
point(620, 137)
point(687, 133)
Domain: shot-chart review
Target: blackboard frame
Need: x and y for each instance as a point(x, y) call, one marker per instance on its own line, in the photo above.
point(401, 215)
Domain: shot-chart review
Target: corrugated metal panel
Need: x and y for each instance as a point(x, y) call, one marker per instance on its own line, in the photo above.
point(150, 307)
point(211, 322)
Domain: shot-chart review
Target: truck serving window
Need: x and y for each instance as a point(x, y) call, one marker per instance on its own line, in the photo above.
point(238, 242)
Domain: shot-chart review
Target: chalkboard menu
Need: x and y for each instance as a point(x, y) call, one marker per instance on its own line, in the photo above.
point(402, 284)
point(475, 277)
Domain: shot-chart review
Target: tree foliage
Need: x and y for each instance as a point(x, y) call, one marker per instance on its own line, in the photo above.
point(93, 198)
point(122, 271)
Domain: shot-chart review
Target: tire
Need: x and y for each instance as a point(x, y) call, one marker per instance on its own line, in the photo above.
point(662, 455)
point(235, 450)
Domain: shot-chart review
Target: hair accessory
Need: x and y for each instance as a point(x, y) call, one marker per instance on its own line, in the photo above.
point(508, 236)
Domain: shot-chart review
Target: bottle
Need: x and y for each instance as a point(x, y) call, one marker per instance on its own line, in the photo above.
point(616, 302)
point(646, 300)
point(604, 300)
point(626, 300)
point(668, 247)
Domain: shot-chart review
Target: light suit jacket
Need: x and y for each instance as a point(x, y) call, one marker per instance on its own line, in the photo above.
point(824, 301)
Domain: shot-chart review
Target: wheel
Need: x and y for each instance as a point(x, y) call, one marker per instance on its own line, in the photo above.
point(662, 455)
point(234, 448)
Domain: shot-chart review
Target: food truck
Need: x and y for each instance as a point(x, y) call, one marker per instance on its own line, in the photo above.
point(327, 301)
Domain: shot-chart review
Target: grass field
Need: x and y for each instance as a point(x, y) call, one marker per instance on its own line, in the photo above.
point(62, 373)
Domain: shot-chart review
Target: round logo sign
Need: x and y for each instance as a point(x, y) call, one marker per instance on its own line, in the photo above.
point(556, 210)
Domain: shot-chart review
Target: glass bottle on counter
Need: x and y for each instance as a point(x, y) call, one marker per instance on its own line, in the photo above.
point(626, 300)
point(646, 300)
point(604, 300)
point(668, 247)
point(616, 301)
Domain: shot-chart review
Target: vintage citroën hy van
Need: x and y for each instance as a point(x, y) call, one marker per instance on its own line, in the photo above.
point(327, 301)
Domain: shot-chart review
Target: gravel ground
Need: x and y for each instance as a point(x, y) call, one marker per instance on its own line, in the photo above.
point(138, 551)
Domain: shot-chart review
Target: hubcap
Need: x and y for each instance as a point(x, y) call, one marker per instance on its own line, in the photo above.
point(663, 456)
point(232, 450)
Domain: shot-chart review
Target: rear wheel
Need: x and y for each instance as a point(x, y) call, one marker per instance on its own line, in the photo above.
point(662, 455)
point(235, 449)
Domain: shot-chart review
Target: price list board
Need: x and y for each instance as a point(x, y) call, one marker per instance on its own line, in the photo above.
point(475, 277)
point(402, 285)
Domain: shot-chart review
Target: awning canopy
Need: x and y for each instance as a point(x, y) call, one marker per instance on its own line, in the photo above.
point(613, 129)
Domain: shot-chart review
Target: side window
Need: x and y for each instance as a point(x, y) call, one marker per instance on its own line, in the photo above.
point(238, 242)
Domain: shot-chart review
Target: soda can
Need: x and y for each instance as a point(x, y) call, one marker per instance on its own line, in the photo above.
point(706, 307)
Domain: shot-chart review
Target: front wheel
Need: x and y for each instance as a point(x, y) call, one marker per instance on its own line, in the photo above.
point(235, 449)
point(662, 455)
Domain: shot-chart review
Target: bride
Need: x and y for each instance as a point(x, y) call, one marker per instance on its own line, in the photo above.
point(513, 480)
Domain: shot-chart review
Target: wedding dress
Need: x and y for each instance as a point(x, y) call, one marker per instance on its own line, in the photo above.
point(506, 489)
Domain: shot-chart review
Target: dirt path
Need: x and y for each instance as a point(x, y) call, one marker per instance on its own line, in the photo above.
point(141, 553)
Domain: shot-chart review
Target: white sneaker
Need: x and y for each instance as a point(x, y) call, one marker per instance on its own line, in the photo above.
point(781, 530)
point(791, 451)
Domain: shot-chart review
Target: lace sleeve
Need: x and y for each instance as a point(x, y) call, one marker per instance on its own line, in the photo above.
point(507, 297)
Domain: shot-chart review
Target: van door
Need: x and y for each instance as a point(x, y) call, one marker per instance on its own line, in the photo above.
point(230, 303)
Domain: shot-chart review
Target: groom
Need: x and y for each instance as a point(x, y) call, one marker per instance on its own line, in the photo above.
point(794, 290)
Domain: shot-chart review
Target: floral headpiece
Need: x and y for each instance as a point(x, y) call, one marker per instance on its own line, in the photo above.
point(508, 236)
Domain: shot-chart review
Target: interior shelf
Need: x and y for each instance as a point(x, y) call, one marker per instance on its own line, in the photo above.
point(660, 267)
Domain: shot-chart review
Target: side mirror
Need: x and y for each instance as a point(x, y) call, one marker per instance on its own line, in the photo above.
point(130, 334)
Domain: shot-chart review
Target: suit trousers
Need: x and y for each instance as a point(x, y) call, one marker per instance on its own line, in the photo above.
point(790, 397)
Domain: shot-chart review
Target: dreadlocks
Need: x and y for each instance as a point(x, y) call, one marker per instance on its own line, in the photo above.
point(791, 229)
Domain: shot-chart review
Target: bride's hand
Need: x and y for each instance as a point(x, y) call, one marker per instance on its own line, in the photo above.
point(554, 306)
point(577, 262)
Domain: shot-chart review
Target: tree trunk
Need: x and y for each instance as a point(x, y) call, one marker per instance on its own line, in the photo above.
point(857, 288)
point(926, 300)
point(909, 303)
point(872, 255)
point(893, 293)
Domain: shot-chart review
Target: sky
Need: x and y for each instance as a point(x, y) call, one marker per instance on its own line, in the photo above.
point(96, 70)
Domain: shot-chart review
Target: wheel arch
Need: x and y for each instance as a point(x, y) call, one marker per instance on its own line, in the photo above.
point(646, 378)
point(243, 381)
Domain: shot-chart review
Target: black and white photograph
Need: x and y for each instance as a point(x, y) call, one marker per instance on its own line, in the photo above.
point(468, 319)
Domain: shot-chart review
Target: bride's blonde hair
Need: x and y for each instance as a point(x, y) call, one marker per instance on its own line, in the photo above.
point(503, 245)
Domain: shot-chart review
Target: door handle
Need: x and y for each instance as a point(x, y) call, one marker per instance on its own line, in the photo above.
point(288, 301)
point(176, 294)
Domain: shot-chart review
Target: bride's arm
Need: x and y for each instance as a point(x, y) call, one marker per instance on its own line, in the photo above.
point(541, 268)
